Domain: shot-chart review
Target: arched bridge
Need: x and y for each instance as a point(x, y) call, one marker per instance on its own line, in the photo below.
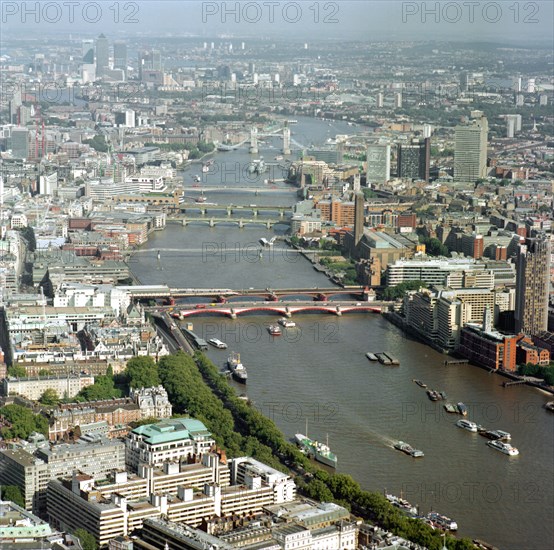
point(282, 309)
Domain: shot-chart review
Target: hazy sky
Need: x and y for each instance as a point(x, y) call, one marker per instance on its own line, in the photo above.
point(468, 20)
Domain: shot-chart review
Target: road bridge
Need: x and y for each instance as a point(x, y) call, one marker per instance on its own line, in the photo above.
point(283, 309)
point(225, 294)
point(212, 221)
point(232, 209)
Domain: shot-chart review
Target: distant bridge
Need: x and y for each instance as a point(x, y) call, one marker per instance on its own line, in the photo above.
point(214, 220)
point(286, 309)
point(319, 294)
point(232, 209)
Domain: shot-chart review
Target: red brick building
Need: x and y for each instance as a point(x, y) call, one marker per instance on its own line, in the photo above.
point(491, 350)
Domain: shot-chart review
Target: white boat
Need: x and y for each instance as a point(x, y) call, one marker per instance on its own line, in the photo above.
point(505, 448)
point(287, 323)
point(467, 425)
point(217, 343)
point(238, 370)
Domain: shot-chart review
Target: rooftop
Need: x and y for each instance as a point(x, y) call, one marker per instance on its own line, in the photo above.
point(172, 430)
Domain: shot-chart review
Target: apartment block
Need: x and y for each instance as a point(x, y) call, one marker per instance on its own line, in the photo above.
point(169, 440)
point(488, 348)
point(31, 468)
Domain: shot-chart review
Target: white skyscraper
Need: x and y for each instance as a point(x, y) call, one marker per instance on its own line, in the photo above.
point(378, 163)
point(470, 150)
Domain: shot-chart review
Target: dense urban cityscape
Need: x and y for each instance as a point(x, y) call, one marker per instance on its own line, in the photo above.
point(242, 264)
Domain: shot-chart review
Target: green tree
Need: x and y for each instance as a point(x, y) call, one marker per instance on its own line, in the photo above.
point(398, 291)
point(103, 388)
point(45, 372)
point(22, 422)
point(13, 493)
point(49, 397)
point(88, 542)
point(17, 371)
point(142, 372)
point(433, 247)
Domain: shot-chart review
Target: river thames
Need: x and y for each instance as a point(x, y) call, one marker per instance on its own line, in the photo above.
point(318, 373)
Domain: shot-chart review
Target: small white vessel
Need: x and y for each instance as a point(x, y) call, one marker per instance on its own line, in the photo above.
point(217, 343)
point(287, 323)
point(467, 425)
point(503, 447)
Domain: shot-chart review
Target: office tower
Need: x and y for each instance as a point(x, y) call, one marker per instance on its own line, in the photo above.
point(519, 100)
point(13, 107)
point(120, 55)
point(543, 100)
point(510, 127)
point(398, 100)
point(517, 84)
point(532, 282)
point(464, 82)
point(414, 159)
point(380, 100)
point(19, 143)
point(427, 130)
point(359, 206)
point(513, 125)
point(286, 140)
point(470, 150)
point(150, 64)
point(531, 86)
point(88, 51)
point(102, 55)
point(378, 163)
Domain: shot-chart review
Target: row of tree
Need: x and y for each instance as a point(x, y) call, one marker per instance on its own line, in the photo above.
point(339, 488)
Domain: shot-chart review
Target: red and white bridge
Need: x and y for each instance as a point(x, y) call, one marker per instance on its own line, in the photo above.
point(283, 309)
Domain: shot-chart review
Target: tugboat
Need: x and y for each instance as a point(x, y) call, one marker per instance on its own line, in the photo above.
point(433, 395)
point(496, 435)
point(238, 370)
point(408, 449)
point(462, 409)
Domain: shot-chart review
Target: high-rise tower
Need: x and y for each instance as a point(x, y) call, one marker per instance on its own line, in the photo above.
point(470, 150)
point(102, 55)
point(532, 282)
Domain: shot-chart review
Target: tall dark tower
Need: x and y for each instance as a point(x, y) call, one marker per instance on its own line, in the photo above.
point(532, 282)
point(359, 207)
point(102, 55)
point(120, 55)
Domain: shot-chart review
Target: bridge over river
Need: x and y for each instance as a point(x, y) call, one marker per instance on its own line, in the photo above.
point(283, 309)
